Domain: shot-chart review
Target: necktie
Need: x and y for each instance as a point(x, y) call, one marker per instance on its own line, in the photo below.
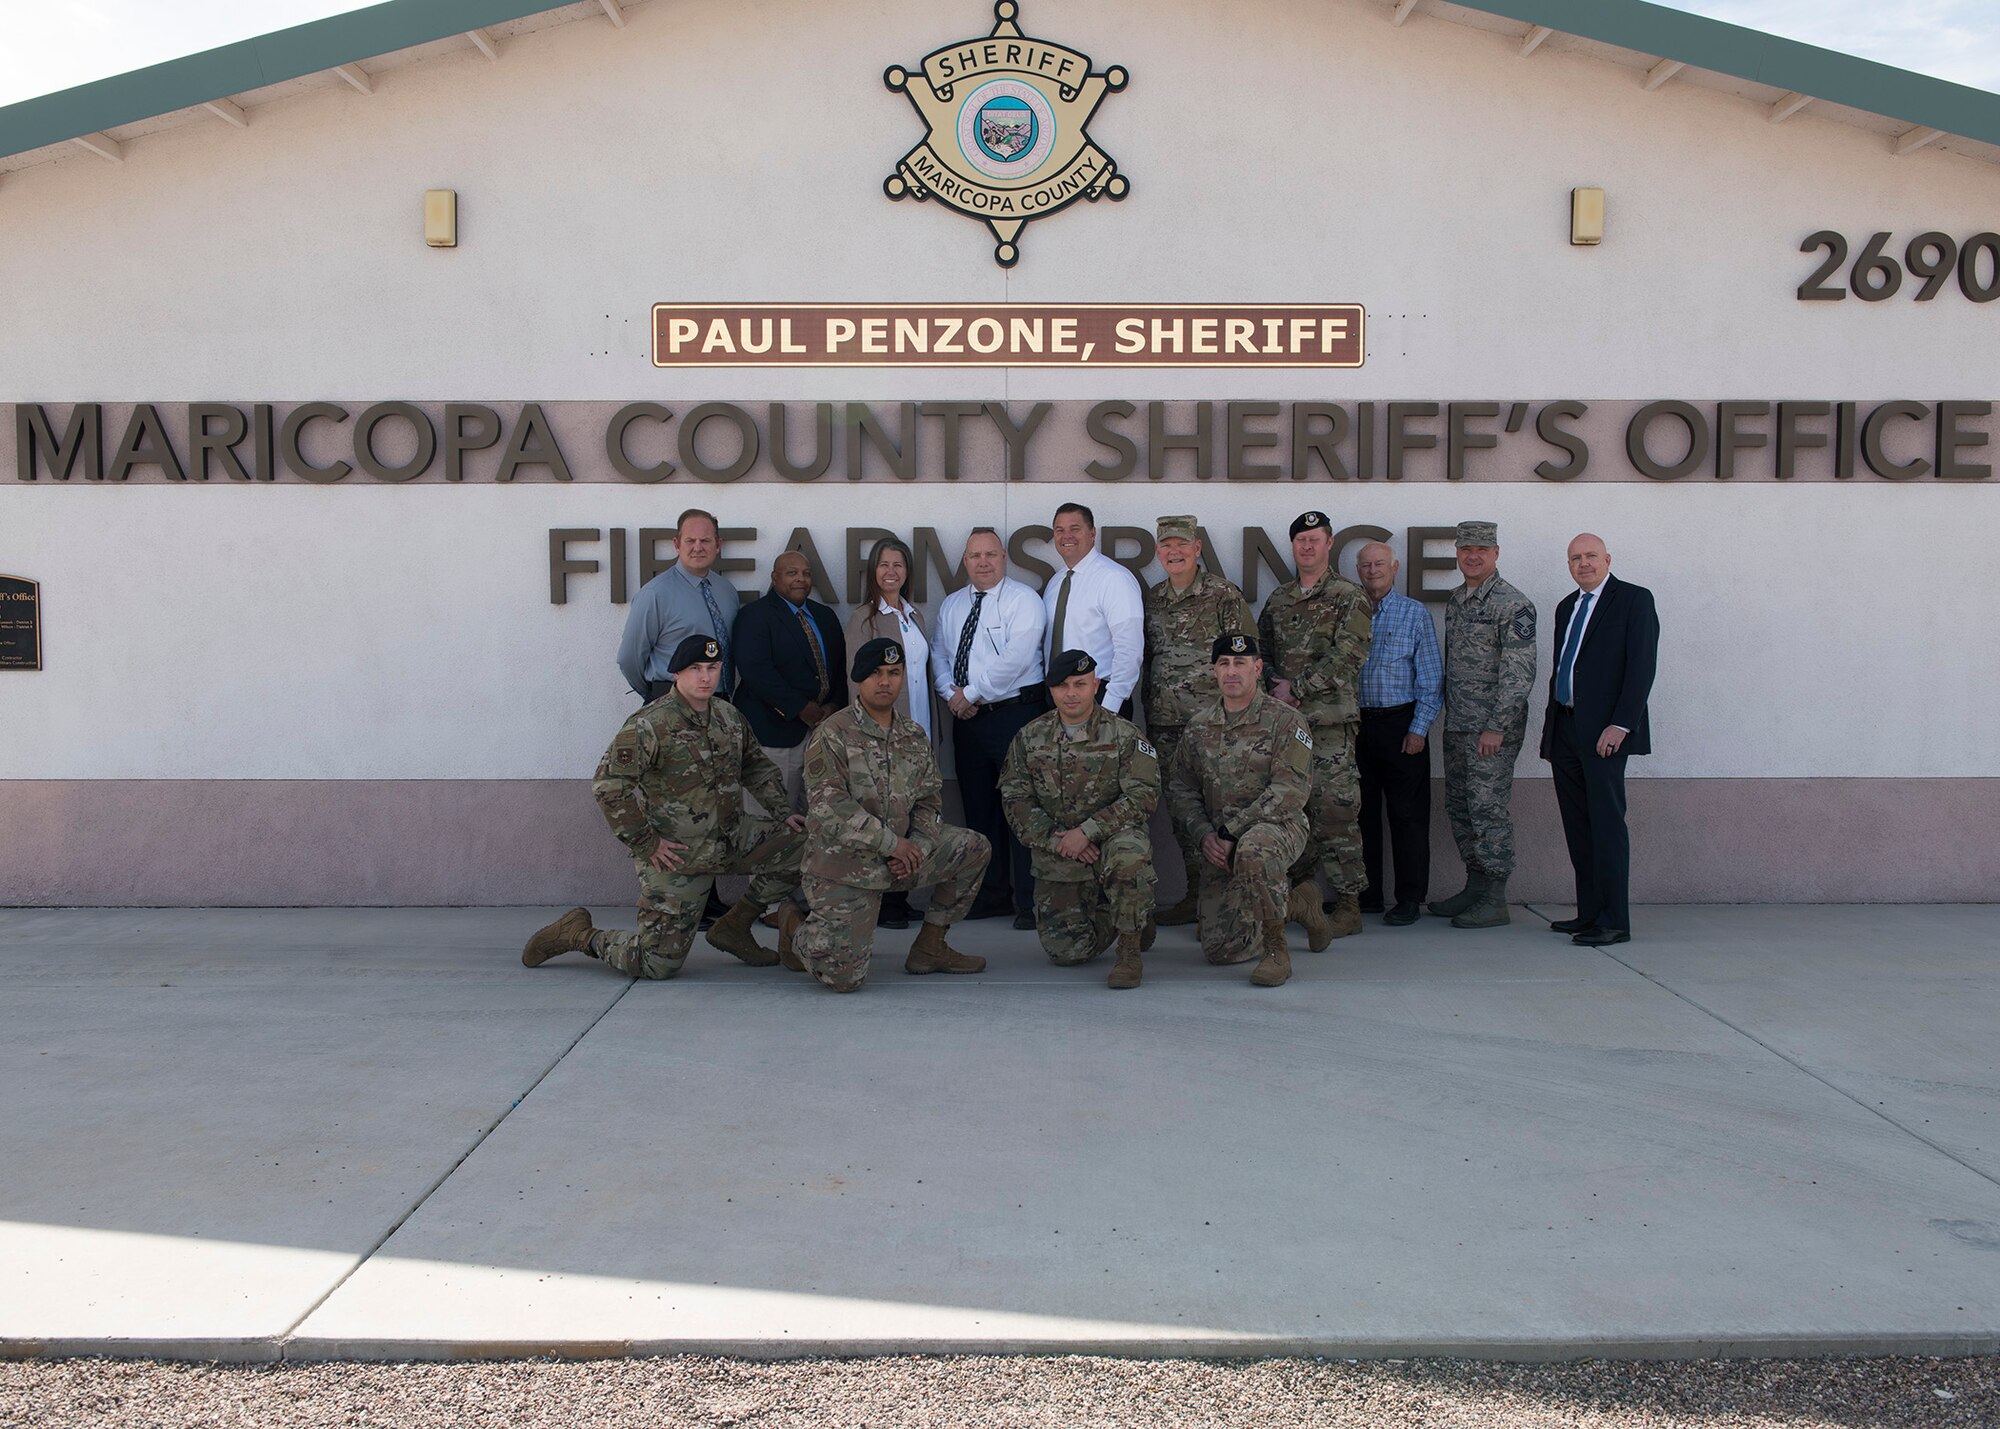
point(1056, 646)
point(721, 634)
point(961, 663)
point(819, 656)
point(1566, 667)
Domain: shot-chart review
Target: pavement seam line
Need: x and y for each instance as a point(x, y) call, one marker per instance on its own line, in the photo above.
point(1801, 1067)
point(284, 1340)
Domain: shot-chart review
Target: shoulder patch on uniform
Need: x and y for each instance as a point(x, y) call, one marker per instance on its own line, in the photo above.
point(1148, 750)
point(1524, 623)
point(1299, 733)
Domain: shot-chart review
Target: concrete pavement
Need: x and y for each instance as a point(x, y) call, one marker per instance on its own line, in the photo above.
point(340, 1132)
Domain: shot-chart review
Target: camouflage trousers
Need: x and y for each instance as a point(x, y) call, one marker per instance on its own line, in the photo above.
point(1478, 797)
point(1234, 906)
point(1166, 738)
point(1079, 920)
point(839, 931)
point(1333, 812)
point(670, 904)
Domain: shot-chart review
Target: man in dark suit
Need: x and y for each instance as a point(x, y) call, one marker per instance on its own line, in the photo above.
point(1607, 640)
point(792, 659)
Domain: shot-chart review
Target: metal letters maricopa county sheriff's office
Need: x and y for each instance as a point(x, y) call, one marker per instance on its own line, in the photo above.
point(1006, 115)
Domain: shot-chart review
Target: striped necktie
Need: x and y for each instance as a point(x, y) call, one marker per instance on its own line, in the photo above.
point(961, 663)
point(721, 635)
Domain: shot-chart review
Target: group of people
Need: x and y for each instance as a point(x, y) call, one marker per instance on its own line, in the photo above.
point(1281, 745)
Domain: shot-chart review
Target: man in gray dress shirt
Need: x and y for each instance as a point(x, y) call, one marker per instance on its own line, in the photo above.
point(683, 600)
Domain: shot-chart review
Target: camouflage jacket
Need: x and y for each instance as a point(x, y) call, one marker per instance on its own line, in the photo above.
point(1489, 659)
point(671, 773)
point(1181, 626)
point(866, 787)
point(1104, 783)
point(1235, 770)
point(1318, 640)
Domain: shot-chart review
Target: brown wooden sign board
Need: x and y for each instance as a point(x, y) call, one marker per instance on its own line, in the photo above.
point(20, 624)
point(1204, 335)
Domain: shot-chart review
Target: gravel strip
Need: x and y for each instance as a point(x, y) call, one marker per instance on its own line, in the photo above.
point(1074, 1392)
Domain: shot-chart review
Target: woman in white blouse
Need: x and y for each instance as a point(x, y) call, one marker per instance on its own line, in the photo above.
point(885, 612)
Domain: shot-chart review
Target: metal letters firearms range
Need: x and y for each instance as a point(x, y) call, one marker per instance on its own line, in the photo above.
point(1056, 442)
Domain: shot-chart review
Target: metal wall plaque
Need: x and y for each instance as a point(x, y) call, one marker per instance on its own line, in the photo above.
point(20, 624)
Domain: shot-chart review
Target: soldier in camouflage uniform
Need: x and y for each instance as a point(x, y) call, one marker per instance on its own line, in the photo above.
point(1239, 782)
point(1315, 630)
point(1489, 667)
point(1079, 786)
point(671, 786)
point(873, 825)
point(1184, 614)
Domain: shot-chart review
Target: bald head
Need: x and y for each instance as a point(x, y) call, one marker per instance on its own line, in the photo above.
point(1377, 566)
point(1589, 562)
point(791, 577)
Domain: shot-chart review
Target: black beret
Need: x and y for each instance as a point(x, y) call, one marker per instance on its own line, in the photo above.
point(1311, 521)
point(1070, 662)
point(695, 650)
point(1237, 644)
point(874, 655)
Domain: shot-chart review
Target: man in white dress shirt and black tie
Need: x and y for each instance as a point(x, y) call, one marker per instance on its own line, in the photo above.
point(986, 664)
point(1095, 605)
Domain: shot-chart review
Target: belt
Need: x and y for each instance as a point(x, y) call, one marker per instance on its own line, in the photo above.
point(1384, 711)
point(1026, 692)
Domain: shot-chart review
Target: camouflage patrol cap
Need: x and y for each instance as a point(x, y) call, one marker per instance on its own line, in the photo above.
point(1186, 528)
point(695, 650)
point(1310, 521)
point(1070, 662)
point(1237, 644)
point(1478, 533)
point(873, 656)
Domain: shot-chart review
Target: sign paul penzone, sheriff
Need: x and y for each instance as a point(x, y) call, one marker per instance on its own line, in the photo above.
point(1005, 116)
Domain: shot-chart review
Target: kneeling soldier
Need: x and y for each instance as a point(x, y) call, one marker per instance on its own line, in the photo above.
point(1239, 784)
point(671, 787)
point(874, 823)
point(1078, 786)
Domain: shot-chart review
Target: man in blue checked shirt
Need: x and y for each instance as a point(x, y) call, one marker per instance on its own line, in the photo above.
point(1402, 689)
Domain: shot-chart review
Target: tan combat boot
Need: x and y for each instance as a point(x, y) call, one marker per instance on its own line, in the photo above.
point(1126, 971)
point(790, 920)
point(929, 954)
point(1274, 969)
point(1186, 911)
point(1345, 921)
point(733, 934)
point(1303, 908)
point(568, 934)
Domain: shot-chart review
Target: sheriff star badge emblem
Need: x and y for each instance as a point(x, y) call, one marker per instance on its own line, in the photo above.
point(1005, 116)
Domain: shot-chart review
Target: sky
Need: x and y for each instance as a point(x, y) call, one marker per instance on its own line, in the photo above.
point(53, 44)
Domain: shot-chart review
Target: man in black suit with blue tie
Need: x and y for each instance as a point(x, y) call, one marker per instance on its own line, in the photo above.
point(1607, 641)
point(792, 658)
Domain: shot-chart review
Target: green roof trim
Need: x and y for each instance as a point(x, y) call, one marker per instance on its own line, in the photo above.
point(1650, 29)
point(248, 64)
point(1916, 99)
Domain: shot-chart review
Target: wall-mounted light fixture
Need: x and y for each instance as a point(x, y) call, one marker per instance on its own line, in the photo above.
point(441, 218)
point(1586, 217)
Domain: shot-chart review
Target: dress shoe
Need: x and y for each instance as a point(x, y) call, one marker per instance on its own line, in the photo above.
point(894, 911)
point(992, 905)
point(1601, 937)
point(1024, 922)
point(713, 909)
point(1402, 915)
point(1573, 925)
